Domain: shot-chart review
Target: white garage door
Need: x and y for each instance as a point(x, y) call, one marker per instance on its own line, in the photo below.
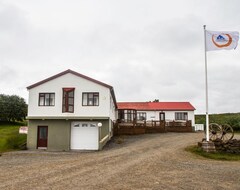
point(84, 136)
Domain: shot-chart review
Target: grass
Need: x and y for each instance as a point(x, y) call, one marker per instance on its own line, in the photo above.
point(10, 139)
point(233, 119)
point(215, 156)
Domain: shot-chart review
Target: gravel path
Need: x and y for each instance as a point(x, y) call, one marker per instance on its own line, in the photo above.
point(151, 161)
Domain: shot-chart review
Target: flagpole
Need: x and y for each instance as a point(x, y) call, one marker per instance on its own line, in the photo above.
point(206, 85)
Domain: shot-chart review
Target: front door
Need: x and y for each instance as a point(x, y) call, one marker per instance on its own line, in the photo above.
point(42, 137)
point(162, 116)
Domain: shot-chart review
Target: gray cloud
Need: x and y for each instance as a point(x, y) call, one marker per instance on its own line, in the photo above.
point(146, 49)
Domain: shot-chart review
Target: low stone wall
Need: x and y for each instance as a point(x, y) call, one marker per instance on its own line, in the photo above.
point(231, 146)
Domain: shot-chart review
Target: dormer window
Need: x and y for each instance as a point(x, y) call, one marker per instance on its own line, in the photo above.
point(68, 100)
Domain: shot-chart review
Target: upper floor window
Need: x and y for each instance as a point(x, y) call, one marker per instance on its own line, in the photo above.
point(181, 116)
point(90, 99)
point(68, 100)
point(46, 99)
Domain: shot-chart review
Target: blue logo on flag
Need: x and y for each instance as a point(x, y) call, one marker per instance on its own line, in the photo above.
point(220, 38)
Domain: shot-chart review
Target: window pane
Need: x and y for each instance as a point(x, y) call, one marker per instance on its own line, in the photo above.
point(70, 101)
point(52, 97)
point(71, 94)
point(77, 125)
point(95, 100)
point(43, 133)
point(47, 100)
point(85, 99)
point(70, 108)
point(84, 125)
point(90, 99)
point(41, 101)
point(90, 102)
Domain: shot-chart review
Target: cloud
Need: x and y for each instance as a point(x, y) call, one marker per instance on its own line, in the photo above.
point(146, 49)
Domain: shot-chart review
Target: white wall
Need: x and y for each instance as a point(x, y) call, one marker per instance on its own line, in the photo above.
point(112, 108)
point(169, 115)
point(70, 81)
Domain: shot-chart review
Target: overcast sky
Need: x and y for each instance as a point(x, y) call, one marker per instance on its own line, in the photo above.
point(145, 49)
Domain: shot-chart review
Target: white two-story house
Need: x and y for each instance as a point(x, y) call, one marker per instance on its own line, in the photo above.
point(70, 111)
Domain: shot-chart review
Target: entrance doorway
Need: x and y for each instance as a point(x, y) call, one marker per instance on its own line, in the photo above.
point(162, 116)
point(42, 138)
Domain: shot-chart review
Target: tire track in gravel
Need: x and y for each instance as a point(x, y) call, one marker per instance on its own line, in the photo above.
point(152, 161)
point(48, 171)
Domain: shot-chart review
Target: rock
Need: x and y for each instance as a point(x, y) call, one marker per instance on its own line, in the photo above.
point(231, 146)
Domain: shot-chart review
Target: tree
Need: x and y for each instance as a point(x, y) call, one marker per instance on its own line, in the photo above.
point(12, 108)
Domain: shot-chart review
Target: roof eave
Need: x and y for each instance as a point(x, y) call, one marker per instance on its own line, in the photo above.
point(66, 72)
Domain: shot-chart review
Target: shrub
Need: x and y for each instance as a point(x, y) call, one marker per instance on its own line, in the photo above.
point(15, 141)
point(12, 108)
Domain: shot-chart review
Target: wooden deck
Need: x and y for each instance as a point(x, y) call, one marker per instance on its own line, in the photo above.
point(141, 127)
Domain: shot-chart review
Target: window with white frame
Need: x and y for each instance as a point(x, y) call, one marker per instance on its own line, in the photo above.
point(181, 116)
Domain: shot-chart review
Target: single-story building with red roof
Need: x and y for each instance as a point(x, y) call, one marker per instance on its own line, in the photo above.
point(158, 111)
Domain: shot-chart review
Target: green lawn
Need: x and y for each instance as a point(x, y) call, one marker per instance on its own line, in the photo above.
point(233, 119)
point(10, 139)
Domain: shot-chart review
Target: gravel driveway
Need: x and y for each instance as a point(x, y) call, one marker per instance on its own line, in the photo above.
point(151, 161)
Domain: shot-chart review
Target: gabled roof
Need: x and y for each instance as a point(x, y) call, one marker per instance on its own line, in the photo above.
point(76, 74)
point(66, 72)
point(161, 106)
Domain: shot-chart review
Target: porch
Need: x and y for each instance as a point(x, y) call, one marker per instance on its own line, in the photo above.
point(131, 123)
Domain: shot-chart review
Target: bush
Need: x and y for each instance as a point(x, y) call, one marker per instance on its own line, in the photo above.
point(12, 108)
point(235, 123)
point(16, 141)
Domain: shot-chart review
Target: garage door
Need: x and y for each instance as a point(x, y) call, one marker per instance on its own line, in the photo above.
point(84, 136)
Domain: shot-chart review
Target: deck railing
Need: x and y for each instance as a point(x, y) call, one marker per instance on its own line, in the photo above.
point(139, 127)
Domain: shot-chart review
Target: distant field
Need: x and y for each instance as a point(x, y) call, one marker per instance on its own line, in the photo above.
point(10, 139)
point(232, 119)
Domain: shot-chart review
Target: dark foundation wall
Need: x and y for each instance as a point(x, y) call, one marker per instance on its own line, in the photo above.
point(58, 134)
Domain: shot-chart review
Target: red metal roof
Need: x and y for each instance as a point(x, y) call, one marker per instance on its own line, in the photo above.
point(161, 106)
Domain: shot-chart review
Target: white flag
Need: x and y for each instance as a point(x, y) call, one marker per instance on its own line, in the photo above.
point(221, 40)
